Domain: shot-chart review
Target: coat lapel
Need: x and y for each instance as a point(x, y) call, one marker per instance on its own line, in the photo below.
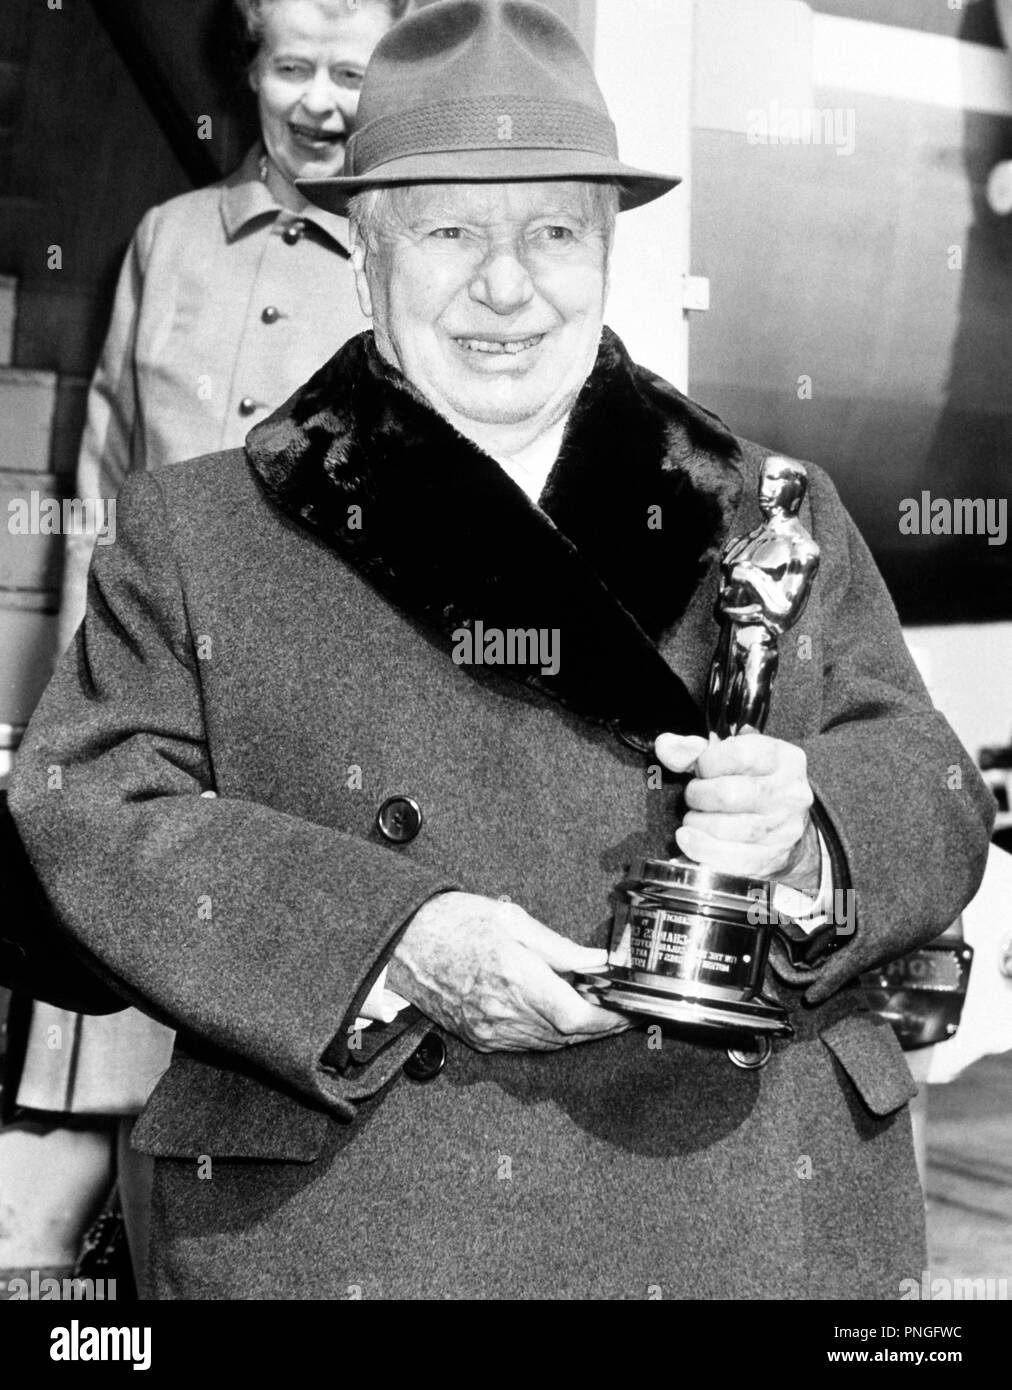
point(636, 508)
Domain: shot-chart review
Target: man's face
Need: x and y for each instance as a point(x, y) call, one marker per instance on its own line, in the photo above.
point(307, 77)
point(489, 297)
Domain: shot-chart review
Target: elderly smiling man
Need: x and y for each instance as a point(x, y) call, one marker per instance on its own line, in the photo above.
point(357, 875)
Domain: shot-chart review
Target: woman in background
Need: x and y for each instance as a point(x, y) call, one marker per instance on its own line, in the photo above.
point(229, 298)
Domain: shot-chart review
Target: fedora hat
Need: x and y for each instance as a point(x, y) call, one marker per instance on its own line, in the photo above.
point(482, 91)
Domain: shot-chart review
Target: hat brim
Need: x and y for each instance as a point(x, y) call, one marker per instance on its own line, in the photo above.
point(513, 165)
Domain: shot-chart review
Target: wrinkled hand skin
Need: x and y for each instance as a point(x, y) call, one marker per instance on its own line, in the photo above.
point(491, 974)
point(749, 806)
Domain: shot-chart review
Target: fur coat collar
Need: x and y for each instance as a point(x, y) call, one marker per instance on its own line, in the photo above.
point(445, 535)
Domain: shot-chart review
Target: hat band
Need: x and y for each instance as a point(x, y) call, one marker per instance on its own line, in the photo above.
point(481, 123)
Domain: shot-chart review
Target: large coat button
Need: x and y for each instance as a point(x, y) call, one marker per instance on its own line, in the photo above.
point(427, 1060)
point(293, 232)
point(271, 314)
point(399, 819)
point(247, 406)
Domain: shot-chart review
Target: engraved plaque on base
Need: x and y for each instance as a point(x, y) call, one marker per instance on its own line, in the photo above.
point(689, 947)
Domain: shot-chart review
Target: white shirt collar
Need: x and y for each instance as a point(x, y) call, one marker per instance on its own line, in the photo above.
point(530, 468)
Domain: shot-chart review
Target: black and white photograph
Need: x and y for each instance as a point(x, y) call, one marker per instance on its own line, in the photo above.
point(506, 666)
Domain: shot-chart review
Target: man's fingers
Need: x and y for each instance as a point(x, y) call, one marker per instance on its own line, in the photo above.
point(779, 832)
point(678, 752)
point(766, 798)
point(745, 755)
point(545, 1039)
point(493, 975)
point(568, 1013)
point(538, 1009)
point(729, 857)
point(556, 951)
point(728, 795)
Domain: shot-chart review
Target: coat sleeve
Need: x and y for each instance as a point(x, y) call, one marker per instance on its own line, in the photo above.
point(257, 933)
point(110, 446)
point(908, 808)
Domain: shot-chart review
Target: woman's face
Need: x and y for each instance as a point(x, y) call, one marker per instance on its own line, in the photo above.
point(307, 75)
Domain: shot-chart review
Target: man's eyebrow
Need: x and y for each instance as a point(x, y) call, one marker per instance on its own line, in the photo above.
point(578, 214)
point(438, 214)
point(456, 216)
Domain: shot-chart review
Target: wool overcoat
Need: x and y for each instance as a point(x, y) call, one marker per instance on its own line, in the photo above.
point(278, 625)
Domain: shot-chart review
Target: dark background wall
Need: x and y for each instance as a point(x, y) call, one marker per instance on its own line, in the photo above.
point(88, 154)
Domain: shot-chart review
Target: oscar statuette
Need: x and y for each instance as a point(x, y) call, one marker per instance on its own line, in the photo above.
point(689, 944)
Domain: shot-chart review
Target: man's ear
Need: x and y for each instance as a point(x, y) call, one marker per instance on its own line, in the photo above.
point(253, 75)
point(358, 265)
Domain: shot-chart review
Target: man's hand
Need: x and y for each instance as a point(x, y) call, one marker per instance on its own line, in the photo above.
point(749, 806)
point(490, 973)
